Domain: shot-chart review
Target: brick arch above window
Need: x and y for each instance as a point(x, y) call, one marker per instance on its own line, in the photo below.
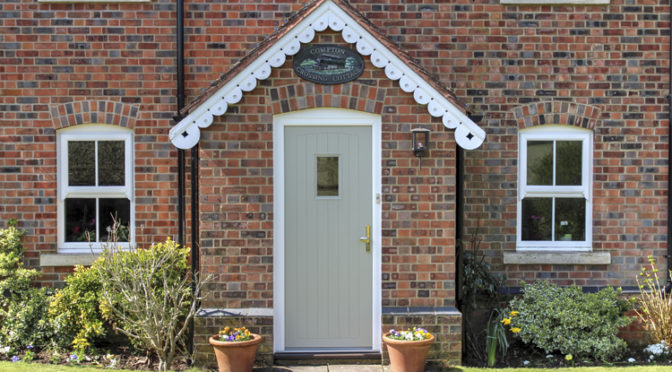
point(557, 112)
point(94, 111)
point(306, 96)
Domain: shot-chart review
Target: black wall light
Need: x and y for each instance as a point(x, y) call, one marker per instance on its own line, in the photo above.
point(420, 143)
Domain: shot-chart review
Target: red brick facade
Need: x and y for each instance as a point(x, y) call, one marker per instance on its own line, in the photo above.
point(598, 67)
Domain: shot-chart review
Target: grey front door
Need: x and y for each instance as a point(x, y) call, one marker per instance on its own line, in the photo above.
point(328, 204)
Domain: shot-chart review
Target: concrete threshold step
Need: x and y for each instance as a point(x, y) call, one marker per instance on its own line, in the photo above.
point(325, 368)
point(313, 358)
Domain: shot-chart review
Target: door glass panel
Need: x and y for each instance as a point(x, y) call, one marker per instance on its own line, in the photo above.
point(570, 217)
point(81, 163)
point(327, 176)
point(111, 163)
point(80, 218)
point(536, 224)
point(118, 209)
point(568, 163)
point(539, 162)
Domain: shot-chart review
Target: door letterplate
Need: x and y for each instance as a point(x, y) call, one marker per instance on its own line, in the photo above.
point(367, 239)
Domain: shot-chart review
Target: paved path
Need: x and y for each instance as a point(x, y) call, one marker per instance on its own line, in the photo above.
point(334, 368)
point(326, 368)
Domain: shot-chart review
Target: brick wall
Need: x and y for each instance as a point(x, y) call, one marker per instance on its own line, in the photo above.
point(63, 65)
point(502, 60)
point(602, 67)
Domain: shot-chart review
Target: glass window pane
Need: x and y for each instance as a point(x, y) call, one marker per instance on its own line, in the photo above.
point(80, 219)
point(568, 163)
point(539, 162)
point(114, 209)
point(327, 176)
point(536, 224)
point(81, 163)
point(111, 163)
point(570, 219)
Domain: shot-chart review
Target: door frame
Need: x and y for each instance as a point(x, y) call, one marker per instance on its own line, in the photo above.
point(323, 117)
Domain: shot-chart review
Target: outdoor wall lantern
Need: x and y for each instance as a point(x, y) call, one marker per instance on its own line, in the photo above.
point(420, 143)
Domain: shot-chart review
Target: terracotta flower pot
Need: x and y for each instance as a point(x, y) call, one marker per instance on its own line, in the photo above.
point(407, 356)
point(235, 356)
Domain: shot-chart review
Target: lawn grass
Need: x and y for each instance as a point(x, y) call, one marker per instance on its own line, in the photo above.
point(577, 369)
point(32, 367)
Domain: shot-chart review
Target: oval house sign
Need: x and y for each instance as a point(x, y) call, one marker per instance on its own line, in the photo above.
point(328, 64)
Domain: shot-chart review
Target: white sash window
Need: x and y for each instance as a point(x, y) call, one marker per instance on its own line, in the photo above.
point(555, 189)
point(95, 181)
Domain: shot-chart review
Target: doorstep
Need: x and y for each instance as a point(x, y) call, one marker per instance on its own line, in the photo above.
point(326, 368)
point(336, 368)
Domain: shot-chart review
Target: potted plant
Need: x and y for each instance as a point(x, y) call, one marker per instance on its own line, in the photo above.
point(235, 349)
point(408, 349)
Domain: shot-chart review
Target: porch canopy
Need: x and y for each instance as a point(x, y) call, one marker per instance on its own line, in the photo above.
point(339, 16)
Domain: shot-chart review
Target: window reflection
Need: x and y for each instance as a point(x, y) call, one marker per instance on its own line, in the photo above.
point(327, 176)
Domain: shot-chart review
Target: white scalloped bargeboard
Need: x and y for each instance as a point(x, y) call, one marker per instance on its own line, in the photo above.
point(468, 135)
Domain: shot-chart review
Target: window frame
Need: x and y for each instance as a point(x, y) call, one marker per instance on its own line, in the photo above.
point(93, 132)
point(585, 190)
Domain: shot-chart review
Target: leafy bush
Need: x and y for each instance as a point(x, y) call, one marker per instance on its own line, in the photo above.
point(476, 276)
point(23, 308)
point(26, 321)
point(14, 278)
point(147, 295)
point(75, 312)
point(568, 321)
point(478, 289)
point(654, 305)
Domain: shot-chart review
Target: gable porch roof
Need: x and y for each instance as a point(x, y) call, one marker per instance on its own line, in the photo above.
point(339, 16)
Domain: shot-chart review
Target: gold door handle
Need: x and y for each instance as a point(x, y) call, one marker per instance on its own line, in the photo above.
point(367, 239)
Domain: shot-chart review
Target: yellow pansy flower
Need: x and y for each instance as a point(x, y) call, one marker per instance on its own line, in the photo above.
point(506, 321)
point(515, 329)
point(514, 313)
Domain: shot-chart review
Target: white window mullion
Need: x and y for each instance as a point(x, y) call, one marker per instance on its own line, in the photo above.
point(552, 219)
point(555, 162)
point(95, 162)
point(96, 215)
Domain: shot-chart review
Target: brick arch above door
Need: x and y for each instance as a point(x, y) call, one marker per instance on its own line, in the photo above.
point(351, 96)
point(557, 112)
point(93, 112)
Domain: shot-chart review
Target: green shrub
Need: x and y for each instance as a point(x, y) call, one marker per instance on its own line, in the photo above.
point(568, 321)
point(23, 308)
point(26, 321)
point(147, 296)
point(75, 310)
point(654, 304)
point(14, 278)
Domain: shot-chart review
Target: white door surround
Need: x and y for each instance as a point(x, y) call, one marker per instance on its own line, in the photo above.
point(323, 117)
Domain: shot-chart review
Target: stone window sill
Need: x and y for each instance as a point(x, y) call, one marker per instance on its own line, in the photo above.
point(67, 259)
point(554, 2)
point(557, 258)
